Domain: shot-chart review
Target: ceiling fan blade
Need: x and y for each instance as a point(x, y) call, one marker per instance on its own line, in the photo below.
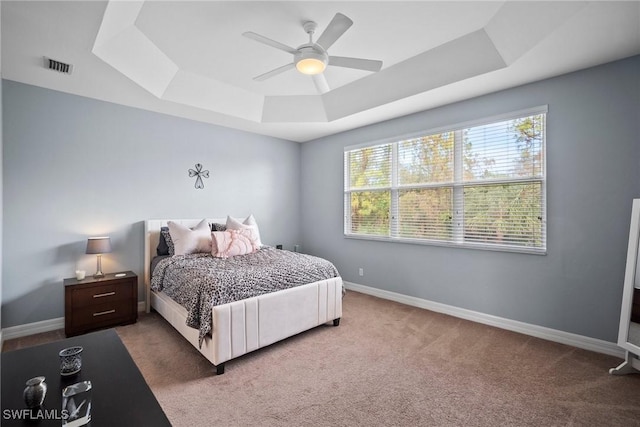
point(275, 72)
point(269, 42)
point(357, 63)
point(336, 28)
point(321, 83)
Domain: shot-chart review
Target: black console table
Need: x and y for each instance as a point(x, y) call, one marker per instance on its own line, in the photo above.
point(120, 396)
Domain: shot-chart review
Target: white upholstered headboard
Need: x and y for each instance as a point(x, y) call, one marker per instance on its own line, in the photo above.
point(151, 239)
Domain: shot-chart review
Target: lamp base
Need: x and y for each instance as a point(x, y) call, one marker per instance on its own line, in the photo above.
point(99, 272)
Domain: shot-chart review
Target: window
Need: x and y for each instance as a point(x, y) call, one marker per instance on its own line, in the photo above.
point(475, 185)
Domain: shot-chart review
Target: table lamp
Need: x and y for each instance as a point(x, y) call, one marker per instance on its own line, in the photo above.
point(99, 246)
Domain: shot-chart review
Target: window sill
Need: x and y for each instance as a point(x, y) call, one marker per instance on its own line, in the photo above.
point(467, 245)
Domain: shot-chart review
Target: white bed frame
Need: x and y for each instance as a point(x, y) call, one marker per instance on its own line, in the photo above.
point(247, 325)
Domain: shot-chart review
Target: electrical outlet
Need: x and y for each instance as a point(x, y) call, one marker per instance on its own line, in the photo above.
point(361, 271)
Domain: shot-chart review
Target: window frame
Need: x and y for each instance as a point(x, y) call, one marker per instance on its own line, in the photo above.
point(457, 186)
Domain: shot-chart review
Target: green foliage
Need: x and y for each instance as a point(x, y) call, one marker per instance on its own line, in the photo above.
point(370, 212)
point(506, 213)
point(509, 213)
point(428, 159)
point(425, 213)
point(370, 167)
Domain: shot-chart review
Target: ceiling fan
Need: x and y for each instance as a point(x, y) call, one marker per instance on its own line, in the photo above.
point(312, 58)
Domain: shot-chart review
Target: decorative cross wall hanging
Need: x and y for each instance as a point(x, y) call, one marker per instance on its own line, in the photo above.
point(199, 174)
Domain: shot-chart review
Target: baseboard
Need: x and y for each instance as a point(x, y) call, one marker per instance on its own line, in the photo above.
point(575, 340)
point(39, 327)
point(32, 328)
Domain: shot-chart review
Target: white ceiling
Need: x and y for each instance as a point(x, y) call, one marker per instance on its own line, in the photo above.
point(190, 59)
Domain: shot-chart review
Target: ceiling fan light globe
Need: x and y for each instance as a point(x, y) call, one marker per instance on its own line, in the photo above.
point(311, 59)
point(311, 66)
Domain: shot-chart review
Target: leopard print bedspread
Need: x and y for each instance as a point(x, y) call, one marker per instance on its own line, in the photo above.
point(201, 281)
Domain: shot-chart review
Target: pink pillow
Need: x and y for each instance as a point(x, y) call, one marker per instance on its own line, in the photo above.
point(230, 243)
point(250, 222)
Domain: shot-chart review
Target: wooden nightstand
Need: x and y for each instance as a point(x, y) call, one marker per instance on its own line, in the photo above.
point(91, 303)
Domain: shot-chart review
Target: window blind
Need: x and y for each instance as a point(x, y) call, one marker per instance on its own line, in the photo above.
point(480, 185)
point(369, 190)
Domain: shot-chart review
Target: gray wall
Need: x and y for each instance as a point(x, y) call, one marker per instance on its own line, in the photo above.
point(75, 167)
point(593, 174)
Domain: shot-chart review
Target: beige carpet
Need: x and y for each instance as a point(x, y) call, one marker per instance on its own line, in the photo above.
point(387, 364)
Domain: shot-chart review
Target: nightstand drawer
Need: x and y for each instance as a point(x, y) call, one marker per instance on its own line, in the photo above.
point(99, 314)
point(110, 292)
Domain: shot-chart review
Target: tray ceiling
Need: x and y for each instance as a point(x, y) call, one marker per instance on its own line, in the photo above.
point(190, 59)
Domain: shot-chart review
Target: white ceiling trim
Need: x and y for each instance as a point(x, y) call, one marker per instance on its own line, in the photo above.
point(208, 94)
point(457, 60)
point(122, 45)
point(519, 27)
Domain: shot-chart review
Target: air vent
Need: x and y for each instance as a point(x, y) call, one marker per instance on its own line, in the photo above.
point(58, 66)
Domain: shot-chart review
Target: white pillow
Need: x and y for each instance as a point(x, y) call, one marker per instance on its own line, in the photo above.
point(190, 241)
point(250, 222)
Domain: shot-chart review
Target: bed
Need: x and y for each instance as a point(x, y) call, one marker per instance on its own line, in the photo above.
point(240, 327)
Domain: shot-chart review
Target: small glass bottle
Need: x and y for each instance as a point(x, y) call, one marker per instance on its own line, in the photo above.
point(35, 392)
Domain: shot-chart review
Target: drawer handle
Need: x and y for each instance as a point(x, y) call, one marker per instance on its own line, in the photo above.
point(106, 294)
point(102, 313)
